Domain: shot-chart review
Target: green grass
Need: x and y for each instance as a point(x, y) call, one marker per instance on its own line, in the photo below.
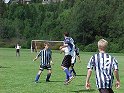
point(17, 74)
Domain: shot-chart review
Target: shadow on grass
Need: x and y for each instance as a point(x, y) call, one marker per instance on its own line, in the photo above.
point(4, 67)
point(56, 81)
point(84, 91)
point(80, 85)
point(47, 82)
point(81, 75)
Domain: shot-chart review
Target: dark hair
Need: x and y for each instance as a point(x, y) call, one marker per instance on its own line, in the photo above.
point(46, 43)
point(66, 34)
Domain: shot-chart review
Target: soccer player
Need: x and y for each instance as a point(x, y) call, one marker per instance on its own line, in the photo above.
point(17, 47)
point(46, 59)
point(73, 61)
point(104, 65)
point(69, 49)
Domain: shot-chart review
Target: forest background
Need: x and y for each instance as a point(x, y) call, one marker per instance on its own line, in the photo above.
point(87, 21)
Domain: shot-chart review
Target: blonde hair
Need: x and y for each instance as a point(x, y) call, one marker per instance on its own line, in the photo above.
point(102, 44)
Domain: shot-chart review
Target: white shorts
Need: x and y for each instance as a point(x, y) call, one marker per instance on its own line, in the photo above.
point(73, 59)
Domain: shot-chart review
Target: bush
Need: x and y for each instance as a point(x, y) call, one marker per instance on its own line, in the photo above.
point(122, 51)
point(113, 47)
point(81, 47)
point(91, 48)
point(121, 43)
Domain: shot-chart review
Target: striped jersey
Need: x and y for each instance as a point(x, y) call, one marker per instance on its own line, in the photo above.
point(45, 56)
point(103, 64)
point(71, 46)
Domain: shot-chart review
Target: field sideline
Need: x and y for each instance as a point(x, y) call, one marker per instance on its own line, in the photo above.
point(17, 74)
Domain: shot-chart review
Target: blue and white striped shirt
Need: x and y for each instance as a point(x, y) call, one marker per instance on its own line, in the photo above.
point(45, 56)
point(103, 64)
point(71, 46)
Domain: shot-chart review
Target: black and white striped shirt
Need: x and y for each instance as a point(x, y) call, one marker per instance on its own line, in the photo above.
point(103, 64)
point(45, 56)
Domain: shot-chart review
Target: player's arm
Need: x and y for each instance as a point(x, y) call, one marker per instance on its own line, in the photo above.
point(77, 54)
point(117, 78)
point(115, 65)
point(61, 50)
point(87, 85)
point(51, 62)
point(63, 46)
point(37, 56)
point(15, 47)
point(89, 72)
point(79, 58)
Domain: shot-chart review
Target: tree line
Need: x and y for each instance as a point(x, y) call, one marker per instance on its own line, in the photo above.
point(87, 21)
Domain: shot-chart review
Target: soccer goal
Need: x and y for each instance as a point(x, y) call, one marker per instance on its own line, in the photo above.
point(36, 45)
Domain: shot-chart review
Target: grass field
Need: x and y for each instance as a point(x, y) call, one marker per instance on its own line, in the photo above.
point(17, 74)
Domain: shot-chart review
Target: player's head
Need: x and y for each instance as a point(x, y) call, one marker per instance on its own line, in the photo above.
point(46, 45)
point(66, 34)
point(102, 44)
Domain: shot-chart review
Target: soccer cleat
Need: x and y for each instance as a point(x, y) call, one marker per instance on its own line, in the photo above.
point(36, 81)
point(70, 79)
point(66, 82)
point(47, 80)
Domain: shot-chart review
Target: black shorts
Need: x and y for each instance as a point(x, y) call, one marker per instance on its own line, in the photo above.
point(105, 90)
point(17, 50)
point(42, 67)
point(77, 54)
point(72, 64)
point(66, 61)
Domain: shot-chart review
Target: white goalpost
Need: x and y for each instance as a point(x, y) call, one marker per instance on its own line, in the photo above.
point(36, 45)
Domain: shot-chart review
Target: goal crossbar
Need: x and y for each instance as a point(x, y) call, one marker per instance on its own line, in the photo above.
point(34, 43)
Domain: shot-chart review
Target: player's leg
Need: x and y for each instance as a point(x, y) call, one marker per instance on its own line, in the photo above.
point(39, 73)
point(73, 61)
point(49, 74)
point(66, 70)
point(65, 66)
point(104, 90)
point(69, 65)
point(72, 69)
point(38, 76)
point(18, 52)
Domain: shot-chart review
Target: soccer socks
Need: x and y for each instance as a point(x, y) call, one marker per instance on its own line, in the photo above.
point(67, 73)
point(48, 76)
point(37, 77)
point(72, 70)
point(67, 77)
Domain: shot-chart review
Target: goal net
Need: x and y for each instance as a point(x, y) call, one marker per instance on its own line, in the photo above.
point(36, 45)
